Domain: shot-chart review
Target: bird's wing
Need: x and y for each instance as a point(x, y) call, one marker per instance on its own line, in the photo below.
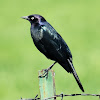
point(54, 45)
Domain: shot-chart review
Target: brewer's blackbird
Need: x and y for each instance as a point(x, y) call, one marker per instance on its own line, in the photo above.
point(51, 44)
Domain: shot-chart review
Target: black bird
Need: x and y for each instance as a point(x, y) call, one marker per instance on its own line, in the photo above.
point(51, 44)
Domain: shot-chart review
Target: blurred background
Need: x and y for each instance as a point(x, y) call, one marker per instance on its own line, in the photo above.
point(77, 21)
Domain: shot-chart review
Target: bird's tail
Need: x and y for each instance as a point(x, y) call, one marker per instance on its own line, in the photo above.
point(77, 80)
point(76, 76)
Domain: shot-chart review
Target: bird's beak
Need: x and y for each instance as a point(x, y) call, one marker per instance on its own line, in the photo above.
point(25, 17)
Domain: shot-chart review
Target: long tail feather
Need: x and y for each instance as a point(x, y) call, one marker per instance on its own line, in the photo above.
point(77, 80)
point(76, 76)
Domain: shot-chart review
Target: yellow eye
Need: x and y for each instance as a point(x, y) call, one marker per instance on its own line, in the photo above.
point(32, 18)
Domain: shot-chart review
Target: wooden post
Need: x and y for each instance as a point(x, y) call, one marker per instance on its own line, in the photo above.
point(47, 85)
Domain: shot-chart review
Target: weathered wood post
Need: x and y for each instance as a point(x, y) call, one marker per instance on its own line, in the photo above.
point(47, 85)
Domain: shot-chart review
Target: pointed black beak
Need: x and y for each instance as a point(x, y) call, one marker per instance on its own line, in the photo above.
point(25, 17)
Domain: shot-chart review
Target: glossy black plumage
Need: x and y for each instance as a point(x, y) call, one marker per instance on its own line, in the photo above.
point(51, 44)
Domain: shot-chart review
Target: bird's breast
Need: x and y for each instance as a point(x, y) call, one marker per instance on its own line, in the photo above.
point(37, 34)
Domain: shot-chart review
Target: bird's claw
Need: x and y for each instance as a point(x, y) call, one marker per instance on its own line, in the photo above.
point(44, 74)
point(46, 71)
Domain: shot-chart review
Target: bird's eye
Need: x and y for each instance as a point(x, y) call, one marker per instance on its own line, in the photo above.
point(32, 18)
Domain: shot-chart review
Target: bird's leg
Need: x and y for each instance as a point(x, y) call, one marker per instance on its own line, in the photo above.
point(51, 66)
point(46, 70)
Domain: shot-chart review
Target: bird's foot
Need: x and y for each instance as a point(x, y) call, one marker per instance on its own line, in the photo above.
point(45, 73)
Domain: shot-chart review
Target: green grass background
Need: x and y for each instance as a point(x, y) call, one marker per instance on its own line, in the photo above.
point(78, 22)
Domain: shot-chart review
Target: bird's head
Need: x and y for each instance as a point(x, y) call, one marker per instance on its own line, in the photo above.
point(33, 19)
